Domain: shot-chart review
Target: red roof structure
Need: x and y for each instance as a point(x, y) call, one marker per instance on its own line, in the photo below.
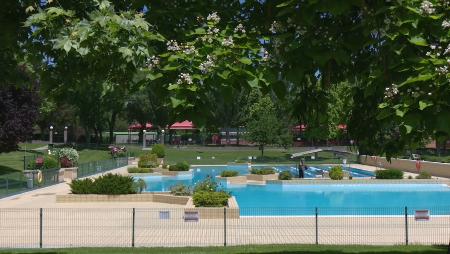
point(185, 125)
point(138, 126)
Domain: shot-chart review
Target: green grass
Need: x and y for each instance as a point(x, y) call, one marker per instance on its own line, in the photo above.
point(272, 249)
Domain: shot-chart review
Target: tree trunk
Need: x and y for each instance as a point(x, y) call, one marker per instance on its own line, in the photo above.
point(112, 124)
point(261, 147)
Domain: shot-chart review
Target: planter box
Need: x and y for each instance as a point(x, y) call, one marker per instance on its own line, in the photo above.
point(232, 210)
point(160, 161)
point(143, 197)
point(175, 173)
point(68, 174)
point(234, 179)
point(254, 177)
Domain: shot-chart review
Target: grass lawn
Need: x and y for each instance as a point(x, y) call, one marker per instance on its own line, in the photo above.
point(250, 249)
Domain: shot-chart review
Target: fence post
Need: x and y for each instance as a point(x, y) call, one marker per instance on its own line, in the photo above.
point(224, 226)
point(40, 228)
point(406, 225)
point(133, 227)
point(317, 226)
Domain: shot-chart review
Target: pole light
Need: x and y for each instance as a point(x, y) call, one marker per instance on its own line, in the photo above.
point(143, 139)
point(51, 135)
point(65, 134)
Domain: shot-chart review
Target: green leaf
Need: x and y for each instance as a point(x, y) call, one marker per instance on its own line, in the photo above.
point(225, 74)
point(424, 104)
point(423, 77)
point(400, 113)
point(383, 105)
point(173, 87)
point(408, 128)
point(419, 41)
point(285, 4)
point(67, 46)
point(253, 83)
point(175, 102)
point(245, 60)
point(152, 76)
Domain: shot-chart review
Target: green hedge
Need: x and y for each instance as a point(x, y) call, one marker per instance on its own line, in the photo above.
point(148, 160)
point(180, 166)
point(336, 173)
point(424, 175)
point(134, 170)
point(210, 199)
point(109, 184)
point(180, 190)
point(264, 171)
point(389, 174)
point(285, 175)
point(159, 150)
point(50, 162)
point(229, 173)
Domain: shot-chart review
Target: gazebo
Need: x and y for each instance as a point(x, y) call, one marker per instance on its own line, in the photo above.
point(182, 133)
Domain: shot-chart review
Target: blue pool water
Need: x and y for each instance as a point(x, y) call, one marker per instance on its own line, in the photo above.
point(301, 199)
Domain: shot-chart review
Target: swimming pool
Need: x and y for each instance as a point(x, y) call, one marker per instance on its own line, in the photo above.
point(291, 199)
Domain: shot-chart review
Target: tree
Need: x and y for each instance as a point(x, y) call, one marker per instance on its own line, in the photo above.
point(262, 126)
point(91, 58)
point(19, 112)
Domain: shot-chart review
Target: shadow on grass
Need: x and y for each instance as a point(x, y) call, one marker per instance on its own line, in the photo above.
point(7, 170)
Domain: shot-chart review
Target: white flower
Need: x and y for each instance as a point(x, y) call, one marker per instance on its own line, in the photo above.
point(213, 30)
point(152, 62)
point(433, 46)
point(428, 53)
point(391, 91)
point(429, 93)
point(265, 55)
point(207, 65)
point(188, 50)
point(427, 7)
point(228, 42)
point(274, 27)
point(443, 70)
point(172, 45)
point(239, 28)
point(447, 50)
point(184, 78)
point(213, 17)
point(446, 24)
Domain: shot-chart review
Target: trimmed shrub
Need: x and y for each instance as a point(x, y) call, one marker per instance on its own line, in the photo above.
point(136, 170)
point(140, 185)
point(46, 162)
point(264, 171)
point(68, 157)
point(148, 160)
point(336, 173)
point(206, 185)
point(180, 166)
point(229, 173)
point(180, 190)
point(159, 150)
point(82, 186)
point(424, 175)
point(210, 199)
point(109, 184)
point(285, 175)
point(389, 174)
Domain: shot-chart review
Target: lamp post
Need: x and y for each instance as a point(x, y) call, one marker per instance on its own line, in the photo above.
point(51, 135)
point(143, 139)
point(65, 134)
point(162, 136)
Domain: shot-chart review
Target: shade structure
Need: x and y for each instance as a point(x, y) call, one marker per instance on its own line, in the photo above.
point(300, 127)
point(185, 125)
point(138, 126)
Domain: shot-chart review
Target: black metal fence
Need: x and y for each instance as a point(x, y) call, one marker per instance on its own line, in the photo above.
point(170, 227)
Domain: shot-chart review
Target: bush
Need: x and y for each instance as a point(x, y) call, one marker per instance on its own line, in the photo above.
point(159, 150)
point(46, 162)
point(136, 170)
point(180, 166)
point(285, 175)
point(116, 151)
point(389, 174)
point(264, 171)
point(336, 173)
point(180, 190)
point(148, 160)
point(210, 199)
point(82, 186)
point(424, 175)
point(68, 157)
point(229, 173)
point(206, 185)
point(109, 184)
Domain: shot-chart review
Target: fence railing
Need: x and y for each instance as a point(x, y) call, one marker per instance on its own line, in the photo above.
point(18, 182)
point(170, 227)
